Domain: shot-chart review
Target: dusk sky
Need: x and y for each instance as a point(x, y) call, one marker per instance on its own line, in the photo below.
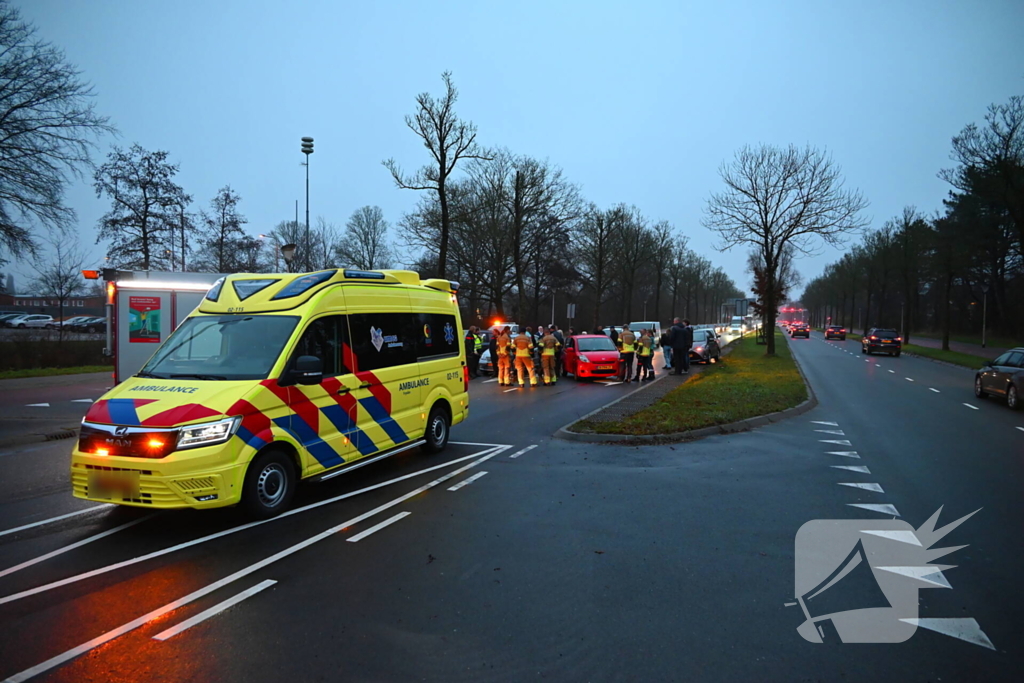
point(637, 102)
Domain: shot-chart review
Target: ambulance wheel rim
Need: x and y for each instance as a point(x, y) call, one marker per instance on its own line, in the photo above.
point(438, 428)
point(272, 484)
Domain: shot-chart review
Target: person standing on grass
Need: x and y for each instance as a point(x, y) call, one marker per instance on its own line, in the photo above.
point(681, 339)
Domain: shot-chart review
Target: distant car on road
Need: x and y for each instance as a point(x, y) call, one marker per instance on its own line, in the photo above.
point(25, 321)
point(1004, 377)
point(705, 347)
point(883, 339)
point(800, 330)
point(587, 356)
point(835, 331)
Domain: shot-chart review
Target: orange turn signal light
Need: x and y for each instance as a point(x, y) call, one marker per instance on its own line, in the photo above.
point(91, 274)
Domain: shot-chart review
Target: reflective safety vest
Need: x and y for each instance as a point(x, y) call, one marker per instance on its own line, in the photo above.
point(644, 346)
point(628, 340)
point(503, 343)
point(478, 343)
point(523, 346)
point(548, 345)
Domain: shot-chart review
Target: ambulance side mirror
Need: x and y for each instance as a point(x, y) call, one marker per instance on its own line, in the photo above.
point(308, 370)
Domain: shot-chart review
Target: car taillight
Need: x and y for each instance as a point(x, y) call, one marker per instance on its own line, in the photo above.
point(843, 330)
point(465, 378)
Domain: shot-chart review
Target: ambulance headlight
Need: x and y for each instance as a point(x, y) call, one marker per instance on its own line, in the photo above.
point(209, 433)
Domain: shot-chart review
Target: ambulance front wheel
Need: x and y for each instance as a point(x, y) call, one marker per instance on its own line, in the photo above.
point(438, 426)
point(269, 484)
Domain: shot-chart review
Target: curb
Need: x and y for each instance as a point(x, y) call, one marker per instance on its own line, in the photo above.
point(940, 362)
point(694, 434)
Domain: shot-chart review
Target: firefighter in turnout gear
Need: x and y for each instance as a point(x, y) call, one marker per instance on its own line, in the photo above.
point(549, 346)
point(504, 358)
point(524, 360)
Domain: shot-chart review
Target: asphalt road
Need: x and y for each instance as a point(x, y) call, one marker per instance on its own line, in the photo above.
point(565, 561)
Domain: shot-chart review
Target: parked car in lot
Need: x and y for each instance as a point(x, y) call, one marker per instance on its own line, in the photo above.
point(884, 339)
point(92, 325)
point(705, 348)
point(36, 320)
point(590, 355)
point(646, 325)
point(835, 332)
point(800, 330)
point(68, 323)
point(1004, 377)
point(4, 317)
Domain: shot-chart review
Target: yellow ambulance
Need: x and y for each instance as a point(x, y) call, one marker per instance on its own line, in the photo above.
point(278, 378)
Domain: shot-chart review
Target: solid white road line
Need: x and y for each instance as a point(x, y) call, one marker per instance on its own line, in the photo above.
point(821, 422)
point(962, 628)
point(78, 544)
point(474, 443)
point(838, 442)
point(840, 432)
point(608, 384)
point(488, 381)
point(908, 379)
point(884, 508)
point(852, 468)
point(56, 519)
point(846, 454)
point(195, 595)
point(508, 390)
point(242, 527)
point(37, 405)
point(867, 487)
point(935, 390)
point(971, 407)
point(467, 481)
point(83, 400)
point(213, 611)
point(377, 527)
point(520, 452)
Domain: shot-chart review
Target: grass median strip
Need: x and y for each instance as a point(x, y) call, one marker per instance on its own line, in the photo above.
point(50, 372)
point(967, 360)
point(746, 384)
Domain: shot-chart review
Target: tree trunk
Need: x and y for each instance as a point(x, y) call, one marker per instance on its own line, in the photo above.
point(946, 322)
point(442, 252)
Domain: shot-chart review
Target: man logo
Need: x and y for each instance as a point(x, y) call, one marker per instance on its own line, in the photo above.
point(120, 431)
point(857, 579)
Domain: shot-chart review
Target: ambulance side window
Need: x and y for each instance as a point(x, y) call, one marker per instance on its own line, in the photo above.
point(383, 340)
point(437, 336)
point(325, 338)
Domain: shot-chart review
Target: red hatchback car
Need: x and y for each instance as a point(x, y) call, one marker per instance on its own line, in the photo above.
point(590, 355)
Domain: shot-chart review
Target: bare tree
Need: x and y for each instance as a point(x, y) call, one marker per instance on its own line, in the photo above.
point(223, 229)
point(145, 204)
point(323, 237)
point(448, 139)
point(595, 243)
point(60, 273)
point(365, 244)
point(776, 198)
point(47, 126)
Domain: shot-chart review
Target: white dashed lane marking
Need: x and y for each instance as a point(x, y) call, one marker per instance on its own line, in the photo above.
point(970, 406)
point(908, 379)
point(377, 527)
point(1021, 428)
point(821, 422)
point(838, 442)
point(852, 468)
point(893, 371)
point(935, 390)
point(467, 481)
point(831, 431)
point(845, 454)
point(37, 405)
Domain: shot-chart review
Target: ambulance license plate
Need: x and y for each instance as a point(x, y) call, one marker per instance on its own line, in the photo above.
point(109, 484)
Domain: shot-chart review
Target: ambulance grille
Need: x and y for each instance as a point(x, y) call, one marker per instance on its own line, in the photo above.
point(196, 485)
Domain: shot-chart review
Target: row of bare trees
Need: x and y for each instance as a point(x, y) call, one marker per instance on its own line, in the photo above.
point(938, 273)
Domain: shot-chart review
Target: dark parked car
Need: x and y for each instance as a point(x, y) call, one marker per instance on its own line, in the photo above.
point(705, 348)
point(883, 339)
point(835, 332)
point(1004, 377)
point(800, 330)
point(93, 325)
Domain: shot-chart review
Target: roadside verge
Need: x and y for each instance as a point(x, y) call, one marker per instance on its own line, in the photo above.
point(722, 399)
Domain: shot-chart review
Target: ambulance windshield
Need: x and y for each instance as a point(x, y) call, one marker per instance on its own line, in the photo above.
point(222, 347)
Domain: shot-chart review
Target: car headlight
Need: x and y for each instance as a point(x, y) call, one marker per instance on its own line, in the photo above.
point(584, 359)
point(209, 433)
point(699, 349)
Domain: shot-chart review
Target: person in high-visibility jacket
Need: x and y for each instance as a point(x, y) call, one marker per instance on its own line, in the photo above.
point(627, 351)
point(503, 348)
point(549, 346)
point(472, 343)
point(524, 360)
point(645, 356)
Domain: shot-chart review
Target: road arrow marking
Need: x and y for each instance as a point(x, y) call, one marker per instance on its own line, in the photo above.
point(884, 508)
point(845, 454)
point(852, 468)
point(927, 574)
point(867, 487)
point(964, 629)
point(838, 442)
point(895, 535)
point(37, 405)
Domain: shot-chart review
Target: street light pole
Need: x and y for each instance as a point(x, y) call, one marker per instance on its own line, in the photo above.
point(984, 313)
point(307, 149)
